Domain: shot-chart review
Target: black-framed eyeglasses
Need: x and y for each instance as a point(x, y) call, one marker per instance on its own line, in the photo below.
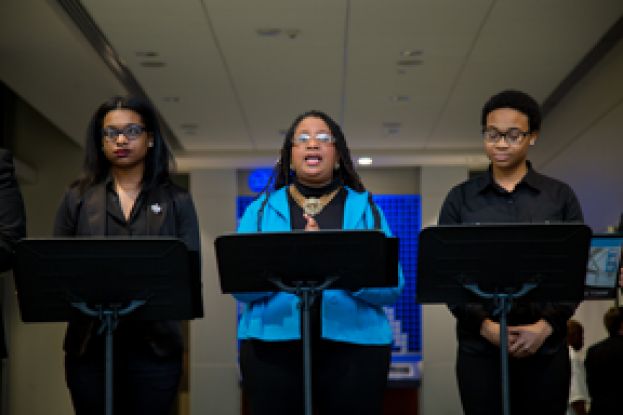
point(130, 131)
point(303, 138)
point(511, 136)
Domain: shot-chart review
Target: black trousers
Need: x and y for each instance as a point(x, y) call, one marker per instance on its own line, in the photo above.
point(538, 384)
point(346, 378)
point(143, 382)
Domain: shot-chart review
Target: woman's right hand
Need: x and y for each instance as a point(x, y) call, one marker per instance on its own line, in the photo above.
point(311, 224)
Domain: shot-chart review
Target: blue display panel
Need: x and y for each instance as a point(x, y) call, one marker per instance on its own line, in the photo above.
point(403, 214)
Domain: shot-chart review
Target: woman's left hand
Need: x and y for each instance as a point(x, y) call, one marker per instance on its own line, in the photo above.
point(525, 340)
point(311, 224)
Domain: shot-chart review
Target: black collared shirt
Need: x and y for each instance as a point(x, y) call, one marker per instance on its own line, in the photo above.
point(116, 223)
point(535, 199)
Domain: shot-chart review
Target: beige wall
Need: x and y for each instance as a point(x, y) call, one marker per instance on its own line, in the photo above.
point(35, 379)
point(438, 339)
point(213, 349)
point(590, 161)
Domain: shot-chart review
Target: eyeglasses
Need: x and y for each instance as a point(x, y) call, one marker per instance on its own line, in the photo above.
point(323, 138)
point(512, 136)
point(130, 131)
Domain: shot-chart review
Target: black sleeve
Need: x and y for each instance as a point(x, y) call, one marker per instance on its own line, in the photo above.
point(12, 214)
point(187, 223)
point(572, 210)
point(188, 232)
point(66, 214)
point(450, 213)
point(557, 314)
point(470, 315)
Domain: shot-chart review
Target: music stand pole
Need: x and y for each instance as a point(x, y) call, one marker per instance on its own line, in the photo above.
point(503, 301)
point(109, 316)
point(307, 292)
point(352, 260)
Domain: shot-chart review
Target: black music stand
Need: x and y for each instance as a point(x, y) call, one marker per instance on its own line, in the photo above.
point(502, 263)
point(304, 264)
point(60, 279)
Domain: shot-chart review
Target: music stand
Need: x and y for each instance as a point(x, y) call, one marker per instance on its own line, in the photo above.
point(58, 279)
point(348, 260)
point(502, 263)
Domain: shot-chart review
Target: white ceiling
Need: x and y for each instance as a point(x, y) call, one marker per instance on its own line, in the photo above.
point(240, 90)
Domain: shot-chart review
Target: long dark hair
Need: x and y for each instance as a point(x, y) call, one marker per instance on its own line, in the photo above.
point(283, 176)
point(158, 161)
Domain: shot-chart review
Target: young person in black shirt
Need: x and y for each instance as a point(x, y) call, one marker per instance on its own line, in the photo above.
point(511, 191)
point(126, 190)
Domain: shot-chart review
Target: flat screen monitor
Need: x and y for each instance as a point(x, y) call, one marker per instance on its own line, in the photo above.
point(602, 269)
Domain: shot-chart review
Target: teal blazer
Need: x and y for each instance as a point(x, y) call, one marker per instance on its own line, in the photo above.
point(352, 317)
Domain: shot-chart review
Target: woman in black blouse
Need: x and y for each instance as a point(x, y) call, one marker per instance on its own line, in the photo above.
point(126, 190)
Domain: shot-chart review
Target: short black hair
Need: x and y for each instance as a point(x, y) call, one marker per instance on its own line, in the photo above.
point(516, 100)
point(613, 319)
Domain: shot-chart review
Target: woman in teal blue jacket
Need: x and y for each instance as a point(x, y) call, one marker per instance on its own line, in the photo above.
point(316, 187)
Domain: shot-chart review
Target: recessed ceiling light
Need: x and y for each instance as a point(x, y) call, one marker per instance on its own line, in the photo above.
point(408, 63)
point(409, 53)
point(399, 98)
point(364, 161)
point(153, 64)
point(189, 126)
point(292, 33)
point(391, 127)
point(268, 31)
point(146, 53)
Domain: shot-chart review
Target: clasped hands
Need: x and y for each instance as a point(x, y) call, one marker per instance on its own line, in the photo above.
point(523, 341)
point(311, 224)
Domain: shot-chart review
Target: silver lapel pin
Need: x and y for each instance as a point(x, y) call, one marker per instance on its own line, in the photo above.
point(155, 208)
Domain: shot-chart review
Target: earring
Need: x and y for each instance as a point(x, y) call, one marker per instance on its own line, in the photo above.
point(150, 144)
point(337, 165)
point(291, 166)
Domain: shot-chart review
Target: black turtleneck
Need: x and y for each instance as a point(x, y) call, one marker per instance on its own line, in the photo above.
point(331, 217)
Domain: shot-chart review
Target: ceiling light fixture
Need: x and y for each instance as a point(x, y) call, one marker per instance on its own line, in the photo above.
point(364, 161)
point(146, 53)
point(153, 64)
point(409, 53)
point(268, 31)
point(399, 98)
point(292, 33)
point(409, 63)
point(391, 127)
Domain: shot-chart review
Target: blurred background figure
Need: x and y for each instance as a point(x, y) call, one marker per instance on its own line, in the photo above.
point(12, 226)
point(12, 222)
point(578, 393)
point(604, 363)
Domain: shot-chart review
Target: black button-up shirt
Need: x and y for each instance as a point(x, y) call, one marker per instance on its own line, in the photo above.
point(535, 199)
point(116, 223)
